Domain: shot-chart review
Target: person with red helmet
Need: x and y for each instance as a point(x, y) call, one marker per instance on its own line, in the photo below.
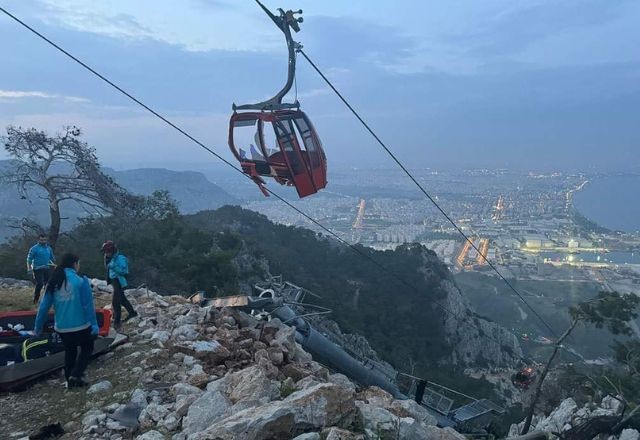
point(117, 267)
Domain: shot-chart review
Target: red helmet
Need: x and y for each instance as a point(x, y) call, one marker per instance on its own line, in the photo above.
point(108, 246)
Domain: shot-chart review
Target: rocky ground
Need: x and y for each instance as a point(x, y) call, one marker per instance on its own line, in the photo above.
point(568, 415)
point(191, 373)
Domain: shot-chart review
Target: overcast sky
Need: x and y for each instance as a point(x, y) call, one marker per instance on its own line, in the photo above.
point(525, 84)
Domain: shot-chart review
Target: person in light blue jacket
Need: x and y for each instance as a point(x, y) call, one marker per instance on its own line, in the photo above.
point(40, 259)
point(75, 317)
point(117, 267)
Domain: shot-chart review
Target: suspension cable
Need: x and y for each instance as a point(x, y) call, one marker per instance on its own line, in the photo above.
point(424, 191)
point(218, 156)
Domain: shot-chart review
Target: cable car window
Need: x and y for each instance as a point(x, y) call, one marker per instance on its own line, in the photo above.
point(309, 142)
point(305, 133)
point(270, 139)
point(245, 135)
point(285, 133)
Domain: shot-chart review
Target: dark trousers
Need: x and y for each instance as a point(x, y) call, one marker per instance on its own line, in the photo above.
point(118, 301)
point(74, 363)
point(40, 278)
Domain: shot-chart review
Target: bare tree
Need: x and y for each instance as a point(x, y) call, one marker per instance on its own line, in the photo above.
point(608, 309)
point(63, 168)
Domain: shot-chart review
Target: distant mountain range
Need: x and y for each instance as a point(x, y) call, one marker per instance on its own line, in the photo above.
point(192, 190)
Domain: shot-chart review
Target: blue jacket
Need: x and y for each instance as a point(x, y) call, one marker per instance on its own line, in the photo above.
point(40, 256)
point(118, 268)
point(73, 306)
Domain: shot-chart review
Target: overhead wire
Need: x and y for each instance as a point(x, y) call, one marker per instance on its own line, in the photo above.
point(424, 191)
point(271, 192)
point(435, 203)
point(217, 155)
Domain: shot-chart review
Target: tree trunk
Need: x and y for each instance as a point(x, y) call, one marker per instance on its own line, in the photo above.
point(536, 397)
point(54, 228)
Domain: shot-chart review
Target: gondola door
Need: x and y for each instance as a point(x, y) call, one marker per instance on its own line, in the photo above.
point(296, 161)
point(313, 151)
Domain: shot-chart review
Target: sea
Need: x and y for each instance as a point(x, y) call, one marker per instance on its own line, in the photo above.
point(612, 202)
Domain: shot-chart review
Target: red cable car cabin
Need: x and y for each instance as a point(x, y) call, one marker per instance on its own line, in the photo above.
point(284, 145)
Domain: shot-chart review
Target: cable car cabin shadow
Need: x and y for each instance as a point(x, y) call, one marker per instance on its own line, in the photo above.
point(281, 144)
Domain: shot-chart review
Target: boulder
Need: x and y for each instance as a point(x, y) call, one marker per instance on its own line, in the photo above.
point(326, 404)
point(409, 408)
point(435, 433)
point(209, 408)
point(181, 389)
point(295, 372)
point(334, 433)
point(161, 335)
point(308, 436)
point(139, 398)
point(205, 346)
point(186, 332)
point(252, 386)
point(341, 379)
point(183, 402)
point(629, 434)
point(378, 423)
point(411, 429)
point(559, 417)
point(286, 339)
point(115, 426)
point(150, 435)
point(93, 417)
point(100, 387)
point(171, 422)
point(152, 414)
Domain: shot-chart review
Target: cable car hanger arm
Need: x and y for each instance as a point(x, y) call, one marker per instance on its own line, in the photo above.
point(285, 22)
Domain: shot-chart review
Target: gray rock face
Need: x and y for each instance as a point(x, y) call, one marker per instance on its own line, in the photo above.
point(183, 403)
point(252, 387)
point(476, 341)
point(324, 404)
point(568, 415)
point(378, 422)
point(206, 410)
point(220, 374)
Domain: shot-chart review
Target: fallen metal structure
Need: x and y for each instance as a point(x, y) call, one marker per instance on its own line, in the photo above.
point(280, 299)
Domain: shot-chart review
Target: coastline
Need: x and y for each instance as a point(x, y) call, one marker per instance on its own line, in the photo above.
point(587, 214)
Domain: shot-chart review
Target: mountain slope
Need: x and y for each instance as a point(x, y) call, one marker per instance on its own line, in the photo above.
point(404, 321)
point(191, 190)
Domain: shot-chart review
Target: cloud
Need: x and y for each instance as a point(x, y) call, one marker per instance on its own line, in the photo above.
point(313, 93)
point(118, 25)
point(205, 25)
point(22, 94)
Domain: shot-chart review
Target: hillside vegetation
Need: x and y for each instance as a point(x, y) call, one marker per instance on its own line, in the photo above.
point(225, 250)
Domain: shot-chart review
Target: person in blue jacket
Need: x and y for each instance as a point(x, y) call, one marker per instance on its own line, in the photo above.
point(117, 267)
point(40, 259)
point(75, 317)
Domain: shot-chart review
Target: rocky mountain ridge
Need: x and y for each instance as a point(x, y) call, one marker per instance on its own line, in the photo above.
point(197, 373)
